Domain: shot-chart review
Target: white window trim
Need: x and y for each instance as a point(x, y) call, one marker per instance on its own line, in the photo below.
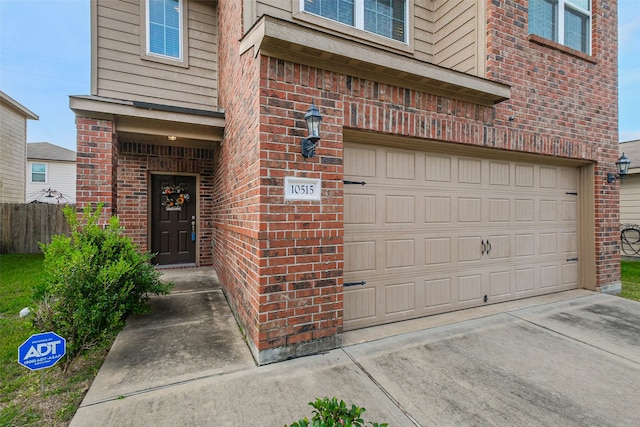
point(145, 51)
point(46, 173)
point(359, 21)
point(562, 4)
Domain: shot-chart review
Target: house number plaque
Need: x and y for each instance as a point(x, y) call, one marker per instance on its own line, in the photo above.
point(302, 188)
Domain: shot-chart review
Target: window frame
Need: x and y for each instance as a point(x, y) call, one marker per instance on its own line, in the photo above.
point(145, 48)
point(32, 172)
point(359, 32)
point(561, 8)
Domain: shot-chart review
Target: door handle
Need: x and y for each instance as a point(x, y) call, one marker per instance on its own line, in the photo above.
point(489, 247)
point(484, 247)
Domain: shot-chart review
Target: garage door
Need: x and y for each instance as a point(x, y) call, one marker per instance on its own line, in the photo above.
point(435, 232)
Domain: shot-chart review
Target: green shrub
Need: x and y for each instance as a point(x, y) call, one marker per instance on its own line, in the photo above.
point(92, 281)
point(330, 413)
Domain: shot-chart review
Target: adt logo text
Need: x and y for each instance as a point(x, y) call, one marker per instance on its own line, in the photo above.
point(41, 351)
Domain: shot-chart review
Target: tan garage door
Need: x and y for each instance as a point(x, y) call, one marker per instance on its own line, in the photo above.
point(433, 232)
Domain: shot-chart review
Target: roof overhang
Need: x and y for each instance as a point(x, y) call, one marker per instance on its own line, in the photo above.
point(152, 123)
point(28, 114)
point(289, 41)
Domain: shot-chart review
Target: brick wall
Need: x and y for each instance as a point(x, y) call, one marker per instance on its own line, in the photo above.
point(96, 164)
point(236, 207)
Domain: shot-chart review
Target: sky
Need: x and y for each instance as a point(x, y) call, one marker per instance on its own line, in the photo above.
point(45, 56)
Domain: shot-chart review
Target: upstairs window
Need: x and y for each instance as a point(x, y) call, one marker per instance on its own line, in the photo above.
point(567, 22)
point(387, 18)
point(164, 28)
point(38, 172)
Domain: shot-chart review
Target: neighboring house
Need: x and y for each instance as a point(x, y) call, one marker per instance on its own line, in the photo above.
point(51, 174)
point(13, 149)
point(483, 134)
point(630, 199)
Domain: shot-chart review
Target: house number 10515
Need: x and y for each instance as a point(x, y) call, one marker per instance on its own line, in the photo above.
point(302, 188)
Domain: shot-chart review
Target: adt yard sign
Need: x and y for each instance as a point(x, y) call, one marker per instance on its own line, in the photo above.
point(42, 351)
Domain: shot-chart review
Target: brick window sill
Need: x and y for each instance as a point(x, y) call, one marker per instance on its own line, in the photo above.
point(534, 38)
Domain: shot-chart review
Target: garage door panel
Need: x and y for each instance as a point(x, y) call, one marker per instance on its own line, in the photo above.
point(499, 246)
point(549, 276)
point(499, 210)
point(438, 293)
point(469, 171)
point(549, 210)
point(400, 165)
point(500, 283)
point(525, 209)
point(499, 173)
point(437, 251)
point(400, 253)
point(470, 288)
point(415, 233)
point(400, 209)
point(360, 304)
point(400, 298)
point(360, 161)
point(524, 176)
point(469, 249)
point(437, 169)
point(525, 279)
point(360, 209)
point(469, 209)
point(437, 210)
point(360, 257)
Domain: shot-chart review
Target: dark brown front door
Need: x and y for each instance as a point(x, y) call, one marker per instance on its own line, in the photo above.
point(173, 219)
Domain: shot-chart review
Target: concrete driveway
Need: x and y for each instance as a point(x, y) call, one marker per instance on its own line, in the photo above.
point(569, 359)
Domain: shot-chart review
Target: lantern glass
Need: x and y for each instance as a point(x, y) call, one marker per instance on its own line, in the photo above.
point(313, 119)
point(623, 165)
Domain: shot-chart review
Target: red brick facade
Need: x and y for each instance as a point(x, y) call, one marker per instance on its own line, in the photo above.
point(281, 262)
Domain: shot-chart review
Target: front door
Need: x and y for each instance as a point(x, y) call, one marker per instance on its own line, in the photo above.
point(173, 219)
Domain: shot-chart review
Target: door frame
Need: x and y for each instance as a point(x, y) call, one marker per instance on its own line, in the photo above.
point(150, 194)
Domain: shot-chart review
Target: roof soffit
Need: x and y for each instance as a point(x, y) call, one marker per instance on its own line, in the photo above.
point(289, 41)
point(141, 123)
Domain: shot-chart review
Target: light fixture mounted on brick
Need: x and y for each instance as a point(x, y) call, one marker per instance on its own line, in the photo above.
point(623, 169)
point(313, 119)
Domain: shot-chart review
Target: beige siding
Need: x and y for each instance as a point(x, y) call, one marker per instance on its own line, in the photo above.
point(13, 154)
point(61, 177)
point(423, 31)
point(123, 73)
point(445, 32)
point(455, 23)
point(630, 200)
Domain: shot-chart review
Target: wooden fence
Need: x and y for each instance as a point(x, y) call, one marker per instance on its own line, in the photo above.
point(24, 226)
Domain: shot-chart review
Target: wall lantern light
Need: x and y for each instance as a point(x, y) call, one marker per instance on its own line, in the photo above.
point(623, 169)
point(313, 119)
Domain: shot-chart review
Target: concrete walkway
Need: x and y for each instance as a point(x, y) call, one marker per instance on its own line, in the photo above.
point(568, 359)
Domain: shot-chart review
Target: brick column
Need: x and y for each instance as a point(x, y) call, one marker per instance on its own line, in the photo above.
point(96, 164)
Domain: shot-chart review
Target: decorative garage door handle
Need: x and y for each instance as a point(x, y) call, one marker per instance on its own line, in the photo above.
point(486, 247)
point(354, 284)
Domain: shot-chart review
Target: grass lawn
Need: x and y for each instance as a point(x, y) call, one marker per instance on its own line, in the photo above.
point(21, 403)
point(630, 277)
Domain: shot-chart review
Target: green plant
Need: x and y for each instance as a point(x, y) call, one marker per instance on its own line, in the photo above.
point(329, 413)
point(92, 281)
